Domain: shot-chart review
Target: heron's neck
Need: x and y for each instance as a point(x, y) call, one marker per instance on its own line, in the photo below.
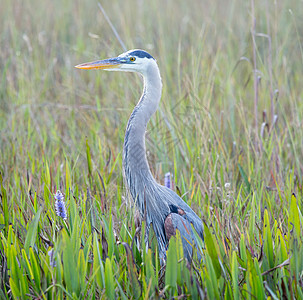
point(135, 163)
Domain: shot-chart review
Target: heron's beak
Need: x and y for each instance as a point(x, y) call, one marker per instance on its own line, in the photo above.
point(106, 64)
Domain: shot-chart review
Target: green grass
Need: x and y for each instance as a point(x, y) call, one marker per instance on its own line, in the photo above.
point(61, 128)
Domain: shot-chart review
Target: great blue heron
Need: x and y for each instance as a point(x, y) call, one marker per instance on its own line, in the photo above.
point(165, 210)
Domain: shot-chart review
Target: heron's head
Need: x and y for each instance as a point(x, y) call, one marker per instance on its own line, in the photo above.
point(130, 61)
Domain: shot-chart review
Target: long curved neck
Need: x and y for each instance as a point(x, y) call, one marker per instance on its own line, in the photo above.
point(136, 168)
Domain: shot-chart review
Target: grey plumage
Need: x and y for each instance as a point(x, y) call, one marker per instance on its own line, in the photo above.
point(165, 210)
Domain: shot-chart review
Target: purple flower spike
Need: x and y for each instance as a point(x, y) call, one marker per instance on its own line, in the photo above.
point(51, 257)
point(167, 182)
point(60, 205)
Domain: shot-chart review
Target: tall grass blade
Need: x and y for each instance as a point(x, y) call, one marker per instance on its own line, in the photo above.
point(132, 272)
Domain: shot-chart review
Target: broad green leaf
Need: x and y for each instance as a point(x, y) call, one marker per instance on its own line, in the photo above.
point(14, 266)
point(235, 276)
point(296, 261)
point(243, 250)
point(228, 292)
point(47, 178)
point(109, 280)
point(294, 218)
point(180, 256)
point(31, 273)
point(81, 266)
point(283, 250)
point(268, 243)
point(4, 205)
point(211, 279)
point(149, 270)
point(212, 250)
point(71, 274)
point(258, 280)
point(98, 264)
point(252, 219)
point(111, 238)
point(32, 231)
point(14, 288)
point(254, 281)
point(23, 283)
point(35, 268)
point(171, 264)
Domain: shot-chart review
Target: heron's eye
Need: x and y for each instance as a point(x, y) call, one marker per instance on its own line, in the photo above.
point(132, 58)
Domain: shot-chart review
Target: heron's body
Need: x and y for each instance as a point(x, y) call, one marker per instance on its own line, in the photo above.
point(165, 210)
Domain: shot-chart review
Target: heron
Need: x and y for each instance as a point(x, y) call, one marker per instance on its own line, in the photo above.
point(160, 206)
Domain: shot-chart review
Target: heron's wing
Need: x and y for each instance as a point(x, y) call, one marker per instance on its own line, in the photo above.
point(178, 206)
point(175, 222)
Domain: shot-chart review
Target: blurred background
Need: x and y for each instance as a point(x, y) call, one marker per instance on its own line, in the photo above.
point(208, 53)
point(229, 130)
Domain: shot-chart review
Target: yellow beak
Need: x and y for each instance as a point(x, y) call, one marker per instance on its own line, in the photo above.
point(105, 64)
